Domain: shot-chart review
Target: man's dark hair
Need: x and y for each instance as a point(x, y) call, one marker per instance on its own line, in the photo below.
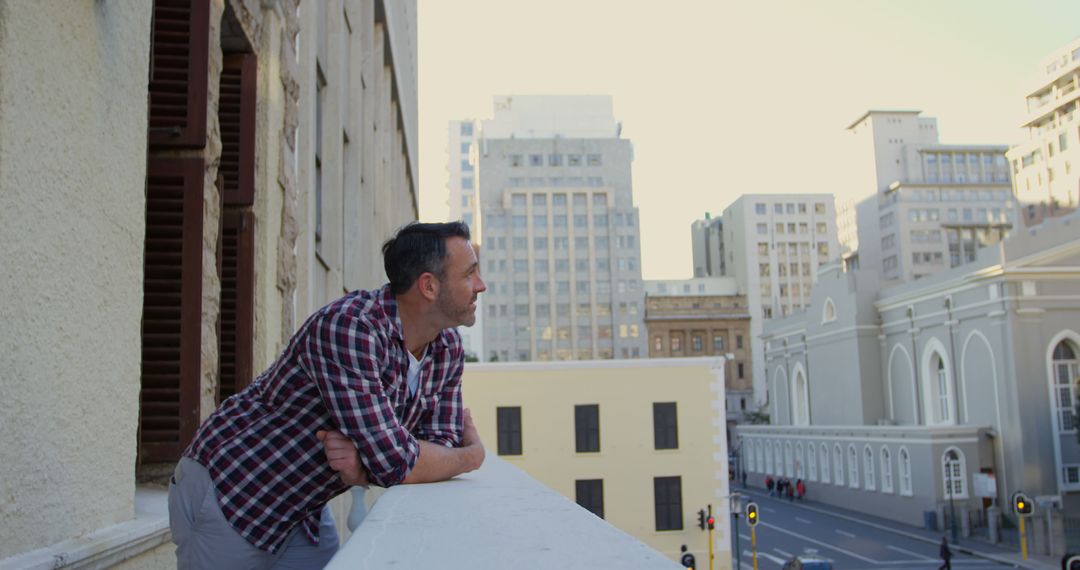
point(416, 249)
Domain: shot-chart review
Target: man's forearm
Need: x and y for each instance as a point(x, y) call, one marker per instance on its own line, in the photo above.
point(439, 463)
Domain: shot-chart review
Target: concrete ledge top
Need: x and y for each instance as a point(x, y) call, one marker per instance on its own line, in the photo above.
point(495, 517)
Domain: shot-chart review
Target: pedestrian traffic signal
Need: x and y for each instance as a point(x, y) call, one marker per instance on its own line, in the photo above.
point(712, 522)
point(701, 519)
point(1022, 505)
point(751, 514)
point(688, 561)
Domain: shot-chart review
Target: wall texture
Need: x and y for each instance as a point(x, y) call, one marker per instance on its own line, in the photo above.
point(72, 208)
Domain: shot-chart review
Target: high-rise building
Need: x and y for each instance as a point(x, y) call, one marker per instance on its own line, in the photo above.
point(1045, 177)
point(923, 207)
point(707, 241)
point(465, 206)
point(774, 245)
point(559, 232)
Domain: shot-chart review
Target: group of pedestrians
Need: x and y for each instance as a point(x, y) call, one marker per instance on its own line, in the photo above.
point(783, 487)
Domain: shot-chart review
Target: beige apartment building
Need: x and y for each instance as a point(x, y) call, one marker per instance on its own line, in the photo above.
point(1045, 177)
point(639, 443)
point(183, 183)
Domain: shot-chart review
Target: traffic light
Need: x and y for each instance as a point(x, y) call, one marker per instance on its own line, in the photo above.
point(701, 519)
point(1070, 562)
point(712, 522)
point(688, 561)
point(751, 514)
point(1022, 505)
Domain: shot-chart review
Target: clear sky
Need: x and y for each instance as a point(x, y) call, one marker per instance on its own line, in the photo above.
point(722, 98)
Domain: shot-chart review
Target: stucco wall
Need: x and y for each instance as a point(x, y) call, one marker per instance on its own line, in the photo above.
point(72, 207)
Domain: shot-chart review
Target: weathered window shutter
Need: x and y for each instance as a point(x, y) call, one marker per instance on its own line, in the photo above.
point(172, 308)
point(236, 115)
point(178, 73)
point(237, 326)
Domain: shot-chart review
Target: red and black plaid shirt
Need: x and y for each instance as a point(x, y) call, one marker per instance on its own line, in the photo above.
point(344, 369)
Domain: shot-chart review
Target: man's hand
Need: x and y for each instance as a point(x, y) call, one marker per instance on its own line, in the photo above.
point(470, 439)
point(343, 457)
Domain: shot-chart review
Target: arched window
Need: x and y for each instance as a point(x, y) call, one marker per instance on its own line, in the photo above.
point(939, 404)
point(768, 458)
point(838, 464)
point(1066, 372)
point(789, 469)
point(779, 453)
point(748, 456)
point(825, 463)
point(828, 312)
point(799, 465)
point(942, 386)
point(800, 400)
point(955, 474)
point(853, 466)
point(811, 462)
point(869, 479)
point(905, 472)
point(886, 470)
point(759, 451)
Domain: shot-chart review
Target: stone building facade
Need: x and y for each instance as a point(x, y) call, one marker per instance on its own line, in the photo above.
point(183, 183)
point(959, 389)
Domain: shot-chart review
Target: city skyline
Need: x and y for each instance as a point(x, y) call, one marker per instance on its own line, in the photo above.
point(967, 63)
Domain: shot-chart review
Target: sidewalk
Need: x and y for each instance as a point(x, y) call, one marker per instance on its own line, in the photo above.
point(971, 546)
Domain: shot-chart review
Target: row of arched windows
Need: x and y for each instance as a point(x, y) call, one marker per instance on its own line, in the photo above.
point(818, 462)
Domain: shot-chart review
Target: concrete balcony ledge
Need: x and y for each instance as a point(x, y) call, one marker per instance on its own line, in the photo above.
point(495, 517)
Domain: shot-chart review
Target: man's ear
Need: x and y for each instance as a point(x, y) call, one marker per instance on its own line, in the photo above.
point(428, 286)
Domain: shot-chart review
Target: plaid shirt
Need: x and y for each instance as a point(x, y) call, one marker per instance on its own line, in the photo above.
point(344, 369)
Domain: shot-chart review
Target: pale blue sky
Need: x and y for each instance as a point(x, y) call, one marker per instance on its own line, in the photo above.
point(723, 98)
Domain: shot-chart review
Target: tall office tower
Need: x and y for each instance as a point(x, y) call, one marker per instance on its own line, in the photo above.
point(559, 232)
point(926, 206)
point(1046, 181)
point(464, 206)
point(775, 244)
point(707, 241)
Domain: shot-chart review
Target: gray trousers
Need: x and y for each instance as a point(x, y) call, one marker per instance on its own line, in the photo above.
point(205, 539)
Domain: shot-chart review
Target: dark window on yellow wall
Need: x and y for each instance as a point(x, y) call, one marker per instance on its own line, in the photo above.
point(665, 425)
point(509, 424)
point(587, 428)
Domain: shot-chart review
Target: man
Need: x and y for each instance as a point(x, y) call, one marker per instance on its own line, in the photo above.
point(378, 370)
point(946, 554)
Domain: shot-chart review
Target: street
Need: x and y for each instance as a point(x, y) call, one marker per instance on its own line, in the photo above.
point(787, 529)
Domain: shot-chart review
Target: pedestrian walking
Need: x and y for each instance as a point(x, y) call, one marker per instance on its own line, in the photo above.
point(790, 490)
point(800, 489)
point(946, 554)
point(744, 479)
point(769, 484)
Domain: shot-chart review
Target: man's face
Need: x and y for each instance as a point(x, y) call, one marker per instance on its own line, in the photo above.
point(461, 283)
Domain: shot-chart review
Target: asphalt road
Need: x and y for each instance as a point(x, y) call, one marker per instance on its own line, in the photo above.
point(787, 529)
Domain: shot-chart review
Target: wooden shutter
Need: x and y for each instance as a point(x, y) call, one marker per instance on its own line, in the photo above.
point(236, 114)
point(178, 69)
point(236, 331)
point(172, 308)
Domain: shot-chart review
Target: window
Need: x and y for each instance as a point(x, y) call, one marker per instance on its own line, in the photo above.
point(509, 420)
point(853, 467)
point(665, 425)
point(825, 463)
point(738, 341)
point(952, 463)
point(759, 209)
point(768, 457)
point(740, 373)
point(593, 160)
point(695, 343)
point(819, 208)
point(590, 495)
point(718, 343)
point(466, 129)
point(886, 471)
point(838, 464)
point(667, 493)
point(536, 160)
point(587, 428)
point(789, 461)
point(800, 464)
point(778, 208)
point(870, 480)
point(779, 457)
point(676, 343)
point(554, 160)
point(515, 160)
point(762, 229)
point(828, 313)
point(1065, 370)
point(811, 462)
point(905, 472)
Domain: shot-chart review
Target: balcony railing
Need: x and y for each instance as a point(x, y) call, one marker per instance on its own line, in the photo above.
point(495, 517)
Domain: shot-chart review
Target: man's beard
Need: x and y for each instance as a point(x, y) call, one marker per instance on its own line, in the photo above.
point(458, 315)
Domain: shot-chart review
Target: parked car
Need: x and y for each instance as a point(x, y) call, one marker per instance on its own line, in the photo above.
point(808, 562)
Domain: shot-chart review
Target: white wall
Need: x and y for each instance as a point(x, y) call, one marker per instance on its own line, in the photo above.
point(72, 211)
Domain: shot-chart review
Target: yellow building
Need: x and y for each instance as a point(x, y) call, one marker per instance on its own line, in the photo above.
point(641, 443)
